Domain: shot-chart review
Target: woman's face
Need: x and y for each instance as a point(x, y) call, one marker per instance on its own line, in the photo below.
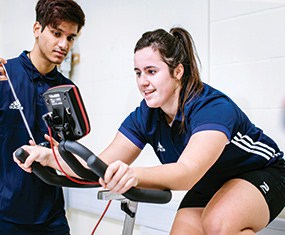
point(158, 87)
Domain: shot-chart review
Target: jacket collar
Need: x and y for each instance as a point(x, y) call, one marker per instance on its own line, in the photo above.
point(51, 77)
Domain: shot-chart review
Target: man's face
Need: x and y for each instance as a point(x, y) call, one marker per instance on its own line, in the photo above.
point(53, 44)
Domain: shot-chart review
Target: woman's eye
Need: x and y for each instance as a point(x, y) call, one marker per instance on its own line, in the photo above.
point(151, 71)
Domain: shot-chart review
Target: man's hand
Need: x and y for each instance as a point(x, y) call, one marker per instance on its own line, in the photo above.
point(2, 71)
point(36, 154)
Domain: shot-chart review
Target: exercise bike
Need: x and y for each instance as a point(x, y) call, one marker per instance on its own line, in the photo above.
point(67, 118)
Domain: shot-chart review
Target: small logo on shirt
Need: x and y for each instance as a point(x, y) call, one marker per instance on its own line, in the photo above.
point(264, 186)
point(160, 148)
point(16, 105)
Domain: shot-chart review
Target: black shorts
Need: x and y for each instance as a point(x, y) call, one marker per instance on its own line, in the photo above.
point(270, 181)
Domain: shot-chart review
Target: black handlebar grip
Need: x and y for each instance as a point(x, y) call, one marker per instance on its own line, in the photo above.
point(48, 175)
point(21, 154)
point(75, 165)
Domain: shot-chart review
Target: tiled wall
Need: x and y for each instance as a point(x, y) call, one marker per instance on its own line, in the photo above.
point(247, 58)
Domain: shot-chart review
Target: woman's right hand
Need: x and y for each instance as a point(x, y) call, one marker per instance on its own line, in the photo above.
point(119, 177)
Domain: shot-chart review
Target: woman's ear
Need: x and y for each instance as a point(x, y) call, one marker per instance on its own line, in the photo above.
point(179, 71)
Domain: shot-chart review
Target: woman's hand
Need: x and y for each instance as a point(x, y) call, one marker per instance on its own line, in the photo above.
point(36, 153)
point(119, 177)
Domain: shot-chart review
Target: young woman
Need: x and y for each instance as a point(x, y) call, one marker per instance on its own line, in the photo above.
point(234, 173)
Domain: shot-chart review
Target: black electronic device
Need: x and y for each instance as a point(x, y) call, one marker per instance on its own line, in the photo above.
point(67, 115)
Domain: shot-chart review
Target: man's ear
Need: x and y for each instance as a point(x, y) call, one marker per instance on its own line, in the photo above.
point(37, 29)
point(179, 71)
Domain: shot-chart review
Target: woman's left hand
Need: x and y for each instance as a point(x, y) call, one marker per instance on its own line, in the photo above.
point(119, 177)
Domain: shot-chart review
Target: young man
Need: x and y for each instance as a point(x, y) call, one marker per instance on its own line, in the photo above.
point(27, 205)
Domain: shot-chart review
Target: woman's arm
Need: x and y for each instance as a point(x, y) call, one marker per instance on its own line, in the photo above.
point(119, 155)
point(202, 151)
point(121, 148)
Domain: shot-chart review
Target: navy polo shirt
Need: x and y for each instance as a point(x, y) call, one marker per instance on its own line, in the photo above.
point(248, 148)
point(24, 198)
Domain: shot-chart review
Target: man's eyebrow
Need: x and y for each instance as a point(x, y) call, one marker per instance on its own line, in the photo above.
point(59, 29)
point(73, 35)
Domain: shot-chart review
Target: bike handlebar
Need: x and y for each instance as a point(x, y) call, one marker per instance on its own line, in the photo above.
point(48, 175)
point(97, 169)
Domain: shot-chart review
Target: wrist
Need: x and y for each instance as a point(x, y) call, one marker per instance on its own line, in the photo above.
point(50, 159)
point(137, 173)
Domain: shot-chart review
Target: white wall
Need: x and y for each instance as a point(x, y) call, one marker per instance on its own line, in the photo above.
point(240, 42)
point(247, 57)
point(16, 26)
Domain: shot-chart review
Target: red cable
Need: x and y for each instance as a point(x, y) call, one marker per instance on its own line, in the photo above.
point(101, 217)
point(79, 182)
point(61, 169)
